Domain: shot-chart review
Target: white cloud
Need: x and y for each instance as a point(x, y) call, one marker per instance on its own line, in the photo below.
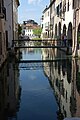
point(34, 1)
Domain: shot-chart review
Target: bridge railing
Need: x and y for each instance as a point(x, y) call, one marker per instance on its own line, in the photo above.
point(27, 43)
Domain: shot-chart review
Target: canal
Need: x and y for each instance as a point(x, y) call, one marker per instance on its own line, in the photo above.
point(40, 90)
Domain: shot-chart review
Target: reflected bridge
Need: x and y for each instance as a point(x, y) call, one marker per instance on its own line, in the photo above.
point(37, 64)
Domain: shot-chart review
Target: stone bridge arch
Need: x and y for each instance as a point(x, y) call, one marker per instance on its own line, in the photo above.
point(64, 29)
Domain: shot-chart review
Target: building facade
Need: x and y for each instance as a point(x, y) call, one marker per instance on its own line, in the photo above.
point(28, 27)
point(15, 19)
point(46, 23)
point(8, 26)
point(76, 26)
point(65, 22)
point(2, 32)
point(11, 21)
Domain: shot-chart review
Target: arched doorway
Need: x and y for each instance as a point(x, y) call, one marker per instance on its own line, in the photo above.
point(69, 34)
point(56, 30)
point(59, 32)
point(78, 37)
point(64, 29)
point(64, 35)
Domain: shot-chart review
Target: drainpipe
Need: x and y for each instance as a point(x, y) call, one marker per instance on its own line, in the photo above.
point(12, 23)
point(74, 35)
point(75, 46)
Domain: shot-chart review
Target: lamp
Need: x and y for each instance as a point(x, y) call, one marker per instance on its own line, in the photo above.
point(1, 15)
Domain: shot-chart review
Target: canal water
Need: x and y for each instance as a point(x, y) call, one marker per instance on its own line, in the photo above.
point(38, 90)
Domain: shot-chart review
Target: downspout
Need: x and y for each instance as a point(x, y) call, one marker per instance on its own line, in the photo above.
point(75, 46)
point(74, 49)
point(12, 25)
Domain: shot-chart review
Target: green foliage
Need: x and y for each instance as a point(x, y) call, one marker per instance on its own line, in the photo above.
point(19, 29)
point(79, 37)
point(36, 38)
point(37, 32)
point(78, 82)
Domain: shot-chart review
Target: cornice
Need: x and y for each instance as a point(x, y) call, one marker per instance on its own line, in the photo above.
point(18, 3)
point(52, 3)
point(45, 9)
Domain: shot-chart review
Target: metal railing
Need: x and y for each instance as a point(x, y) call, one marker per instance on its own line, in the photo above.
point(24, 43)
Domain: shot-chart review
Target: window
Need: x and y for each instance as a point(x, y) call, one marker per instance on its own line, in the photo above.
point(53, 6)
point(68, 6)
point(79, 3)
point(6, 39)
point(48, 13)
point(0, 6)
point(60, 5)
point(4, 11)
point(2, 2)
point(42, 26)
point(51, 9)
point(73, 4)
point(57, 11)
point(60, 11)
point(0, 43)
point(64, 6)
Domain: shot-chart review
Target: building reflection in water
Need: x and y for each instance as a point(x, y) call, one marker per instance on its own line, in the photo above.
point(64, 77)
point(10, 91)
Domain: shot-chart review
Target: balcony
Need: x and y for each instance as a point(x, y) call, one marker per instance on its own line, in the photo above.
point(62, 14)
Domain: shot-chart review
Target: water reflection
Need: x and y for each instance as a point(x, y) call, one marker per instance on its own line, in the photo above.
point(38, 94)
point(64, 77)
point(10, 91)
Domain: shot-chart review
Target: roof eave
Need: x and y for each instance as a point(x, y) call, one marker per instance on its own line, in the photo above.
point(18, 3)
point(52, 3)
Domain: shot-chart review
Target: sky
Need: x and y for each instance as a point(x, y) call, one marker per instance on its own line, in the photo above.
point(31, 9)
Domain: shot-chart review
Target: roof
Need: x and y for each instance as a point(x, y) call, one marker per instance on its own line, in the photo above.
point(30, 26)
point(30, 22)
point(45, 9)
point(52, 2)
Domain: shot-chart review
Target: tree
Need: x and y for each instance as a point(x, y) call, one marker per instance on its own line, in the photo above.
point(19, 29)
point(37, 32)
